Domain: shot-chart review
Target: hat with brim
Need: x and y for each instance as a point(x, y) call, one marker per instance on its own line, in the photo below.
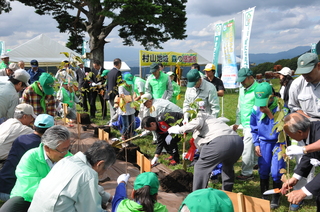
point(13, 67)
point(4, 56)
point(46, 81)
point(306, 63)
point(105, 73)
point(193, 76)
point(21, 75)
point(44, 121)
point(147, 179)
point(145, 97)
point(128, 78)
point(34, 63)
point(25, 109)
point(285, 71)
point(208, 199)
point(154, 67)
point(210, 67)
point(262, 93)
point(243, 74)
point(169, 73)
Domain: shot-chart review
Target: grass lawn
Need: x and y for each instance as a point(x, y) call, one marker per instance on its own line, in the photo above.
point(230, 101)
point(250, 188)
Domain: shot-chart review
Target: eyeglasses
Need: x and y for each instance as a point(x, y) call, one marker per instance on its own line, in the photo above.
point(62, 152)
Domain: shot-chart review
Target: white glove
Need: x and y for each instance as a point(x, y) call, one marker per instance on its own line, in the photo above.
point(93, 84)
point(184, 155)
point(168, 139)
point(99, 83)
point(174, 130)
point(123, 177)
point(154, 160)
point(185, 118)
point(294, 150)
point(144, 133)
point(314, 162)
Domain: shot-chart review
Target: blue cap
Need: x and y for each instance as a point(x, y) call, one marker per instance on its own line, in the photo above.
point(44, 121)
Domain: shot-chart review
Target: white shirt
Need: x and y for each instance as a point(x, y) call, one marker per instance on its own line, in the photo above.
point(9, 131)
point(71, 185)
point(304, 96)
point(9, 99)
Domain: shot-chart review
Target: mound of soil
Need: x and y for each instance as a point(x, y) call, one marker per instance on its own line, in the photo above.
point(177, 181)
point(131, 153)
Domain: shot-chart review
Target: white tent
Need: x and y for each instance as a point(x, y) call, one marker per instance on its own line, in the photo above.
point(109, 65)
point(200, 60)
point(207, 56)
point(41, 48)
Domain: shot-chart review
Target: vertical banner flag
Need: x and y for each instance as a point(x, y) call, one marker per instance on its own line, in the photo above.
point(2, 48)
point(229, 66)
point(247, 17)
point(216, 50)
point(313, 48)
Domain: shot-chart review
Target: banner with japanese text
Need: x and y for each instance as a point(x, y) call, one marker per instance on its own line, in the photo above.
point(247, 17)
point(167, 58)
point(216, 49)
point(229, 66)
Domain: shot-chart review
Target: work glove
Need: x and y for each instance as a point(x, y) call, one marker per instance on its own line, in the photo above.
point(168, 139)
point(93, 84)
point(99, 83)
point(154, 160)
point(185, 118)
point(124, 178)
point(174, 130)
point(294, 150)
point(314, 162)
point(144, 133)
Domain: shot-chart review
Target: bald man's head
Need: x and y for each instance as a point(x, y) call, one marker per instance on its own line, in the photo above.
point(296, 126)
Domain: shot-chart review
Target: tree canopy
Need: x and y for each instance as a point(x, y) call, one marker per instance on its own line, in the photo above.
point(149, 22)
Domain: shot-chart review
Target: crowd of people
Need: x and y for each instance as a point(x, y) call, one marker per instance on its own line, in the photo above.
point(33, 161)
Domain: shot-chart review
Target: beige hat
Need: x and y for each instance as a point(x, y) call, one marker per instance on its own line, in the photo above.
point(13, 67)
point(145, 97)
point(21, 75)
point(25, 109)
point(285, 71)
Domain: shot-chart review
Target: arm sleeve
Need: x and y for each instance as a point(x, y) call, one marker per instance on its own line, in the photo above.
point(28, 178)
point(51, 106)
point(213, 101)
point(293, 102)
point(12, 108)
point(176, 89)
point(148, 87)
point(254, 129)
point(89, 193)
point(304, 167)
point(170, 89)
point(119, 195)
point(238, 117)
point(313, 186)
point(26, 96)
point(187, 101)
point(160, 142)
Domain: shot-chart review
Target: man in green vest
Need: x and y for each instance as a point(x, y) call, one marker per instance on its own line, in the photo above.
point(158, 84)
point(245, 104)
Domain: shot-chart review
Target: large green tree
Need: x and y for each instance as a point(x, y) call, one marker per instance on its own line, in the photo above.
point(149, 22)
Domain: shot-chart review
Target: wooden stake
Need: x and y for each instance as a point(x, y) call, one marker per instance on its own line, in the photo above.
point(65, 111)
point(78, 125)
point(183, 150)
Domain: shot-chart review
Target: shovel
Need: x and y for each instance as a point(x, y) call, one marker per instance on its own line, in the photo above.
point(118, 143)
point(272, 191)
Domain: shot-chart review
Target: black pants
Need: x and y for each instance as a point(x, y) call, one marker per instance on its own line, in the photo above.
point(15, 204)
point(93, 108)
point(85, 99)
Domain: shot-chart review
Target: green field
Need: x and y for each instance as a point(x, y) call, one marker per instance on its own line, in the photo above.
point(250, 188)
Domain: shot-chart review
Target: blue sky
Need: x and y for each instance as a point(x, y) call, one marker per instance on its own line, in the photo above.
point(277, 26)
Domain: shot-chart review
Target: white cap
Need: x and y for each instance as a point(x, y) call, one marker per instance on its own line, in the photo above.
point(25, 109)
point(170, 73)
point(145, 97)
point(21, 75)
point(285, 71)
point(4, 56)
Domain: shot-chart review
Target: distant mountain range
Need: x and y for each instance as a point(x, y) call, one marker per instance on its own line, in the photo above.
point(265, 57)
